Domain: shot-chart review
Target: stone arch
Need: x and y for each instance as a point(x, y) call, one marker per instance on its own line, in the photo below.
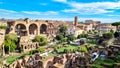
point(43, 29)
point(33, 29)
point(25, 47)
point(20, 29)
point(22, 46)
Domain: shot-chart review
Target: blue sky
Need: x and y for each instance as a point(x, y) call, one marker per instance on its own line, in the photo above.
point(106, 11)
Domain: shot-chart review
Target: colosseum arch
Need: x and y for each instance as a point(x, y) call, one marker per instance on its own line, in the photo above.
point(43, 29)
point(20, 29)
point(33, 29)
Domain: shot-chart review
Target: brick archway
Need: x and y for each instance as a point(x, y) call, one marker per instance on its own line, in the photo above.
point(20, 29)
point(33, 29)
point(43, 29)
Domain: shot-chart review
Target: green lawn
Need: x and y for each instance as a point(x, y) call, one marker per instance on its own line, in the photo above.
point(99, 62)
point(0, 57)
point(12, 59)
point(91, 41)
point(70, 47)
point(97, 66)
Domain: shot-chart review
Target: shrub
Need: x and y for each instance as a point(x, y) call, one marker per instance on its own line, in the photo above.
point(3, 27)
point(108, 35)
point(41, 49)
point(59, 37)
point(65, 50)
point(83, 49)
point(82, 41)
point(71, 38)
point(33, 52)
point(82, 36)
point(41, 39)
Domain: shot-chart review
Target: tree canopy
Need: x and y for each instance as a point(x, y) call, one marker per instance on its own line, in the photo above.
point(108, 35)
point(116, 34)
point(12, 37)
point(116, 23)
point(3, 27)
point(10, 42)
point(62, 29)
point(82, 36)
point(71, 38)
point(59, 37)
point(41, 39)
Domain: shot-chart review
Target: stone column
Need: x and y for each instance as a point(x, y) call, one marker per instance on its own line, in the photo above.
point(38, 30)
point(27, 28)
point(3, 50)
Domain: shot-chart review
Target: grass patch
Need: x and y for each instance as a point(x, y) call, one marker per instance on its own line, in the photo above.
point(3, 27)
point(69, 47)
point(97, 66)
point(0, 57)
point(12, 59)
point(91, 41)
point(108, 62)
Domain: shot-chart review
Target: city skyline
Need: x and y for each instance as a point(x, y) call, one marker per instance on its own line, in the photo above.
point(104, 11)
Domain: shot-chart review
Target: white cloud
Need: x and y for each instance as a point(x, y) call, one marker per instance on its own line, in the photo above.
point(86, 11)
point(92, 8)
point(62, 1)
point(40, 13)
point(4, 11)
point(32, 12)
point(51, 12)
point(114, 15)
point(23, 14)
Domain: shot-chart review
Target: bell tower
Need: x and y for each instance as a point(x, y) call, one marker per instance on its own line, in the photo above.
point(76, 21)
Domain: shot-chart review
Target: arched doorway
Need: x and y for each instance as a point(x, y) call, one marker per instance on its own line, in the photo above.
point(43, 29)
point(33, 29)
point(20, 29)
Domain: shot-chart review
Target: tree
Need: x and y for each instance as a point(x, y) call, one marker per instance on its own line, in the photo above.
point(41, 39)
point(116, 34)
point(96, 31)
point(63, 40)
point(9, 46)
point(62, 29)
point(82, 36)
point(10, 42)
point(83, 49)
point(41, 50)
point(100, 40)
point(59, 37)
point(111, 31)
point(71, 38)
point(108, 35)
point(81, 22)
point(82, 41)
point(12, 37)
point(116, 24)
